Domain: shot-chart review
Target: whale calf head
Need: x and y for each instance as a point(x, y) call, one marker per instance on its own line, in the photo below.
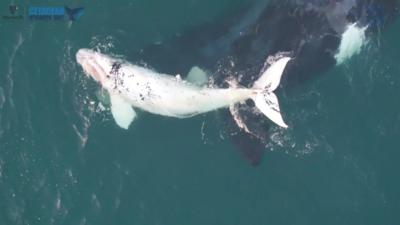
point(95, 64)
point(106, 71)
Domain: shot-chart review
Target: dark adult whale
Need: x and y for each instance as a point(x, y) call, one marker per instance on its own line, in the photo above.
point(241, 45)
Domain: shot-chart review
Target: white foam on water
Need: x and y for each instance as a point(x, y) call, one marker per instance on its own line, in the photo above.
point(2, 98)
point(103, 97)
point(102, 43)
point(1, 168)
point(79, 103)
point(9, 73)
point(353, 39)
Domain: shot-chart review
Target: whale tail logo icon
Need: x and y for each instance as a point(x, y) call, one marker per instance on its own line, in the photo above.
point(74, 14)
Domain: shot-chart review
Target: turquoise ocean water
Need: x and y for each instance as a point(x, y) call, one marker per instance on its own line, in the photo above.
point(63, 160)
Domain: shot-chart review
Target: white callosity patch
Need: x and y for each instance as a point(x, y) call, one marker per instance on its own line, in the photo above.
point(352, 41)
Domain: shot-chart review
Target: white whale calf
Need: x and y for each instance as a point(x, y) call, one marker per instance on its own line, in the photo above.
point(132, 86)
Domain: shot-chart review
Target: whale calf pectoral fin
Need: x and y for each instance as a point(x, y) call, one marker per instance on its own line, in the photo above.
point(122, 111)
point(197, 76)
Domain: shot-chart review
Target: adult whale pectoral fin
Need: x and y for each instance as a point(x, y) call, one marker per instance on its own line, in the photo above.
point(122, 111)
point(197, 76)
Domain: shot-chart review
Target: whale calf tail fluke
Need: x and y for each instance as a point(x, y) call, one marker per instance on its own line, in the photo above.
point(264, 99)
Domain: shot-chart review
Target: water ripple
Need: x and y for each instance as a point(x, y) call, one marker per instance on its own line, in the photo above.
point(9, 73)
point(75, 100)
point(2, 100)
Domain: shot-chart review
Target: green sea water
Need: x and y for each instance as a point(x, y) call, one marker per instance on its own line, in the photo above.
point(63, 160)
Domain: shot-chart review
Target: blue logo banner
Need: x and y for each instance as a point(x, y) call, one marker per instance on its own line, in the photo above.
point(55, 13)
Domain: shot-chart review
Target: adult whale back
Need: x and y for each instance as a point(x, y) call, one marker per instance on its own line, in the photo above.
point(239, 44)
point(310, 29)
